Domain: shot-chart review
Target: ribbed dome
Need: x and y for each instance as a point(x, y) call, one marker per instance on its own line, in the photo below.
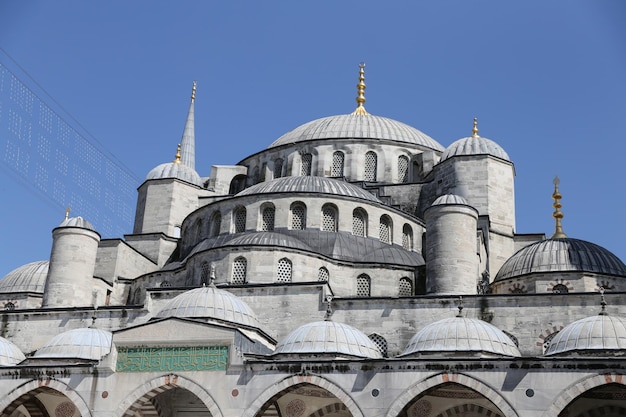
point(27, 278)
point(461, 335)
point(210, 303)
point(474, 146)
point(597, 333)
point(309, 184)
point(328, 337)
point(561, 255)
point(268, 239)
point(86, 343)
point(9, 353)
point(77, 222)
point(349, 126)
point(175, 170)
point(450, 199)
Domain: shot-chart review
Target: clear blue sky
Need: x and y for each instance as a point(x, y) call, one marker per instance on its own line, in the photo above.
point(547, 80)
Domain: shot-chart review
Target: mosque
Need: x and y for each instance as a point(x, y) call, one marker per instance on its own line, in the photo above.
point(353, 268)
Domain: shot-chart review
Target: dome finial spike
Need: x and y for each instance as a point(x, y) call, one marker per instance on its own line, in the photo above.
point(558, 215)
point(67, 212)
point(177, 157)
point(475, 129)
point(329, 307)
point(360, 98)
point(603, 303)
point(460, 307)
point(212, 276)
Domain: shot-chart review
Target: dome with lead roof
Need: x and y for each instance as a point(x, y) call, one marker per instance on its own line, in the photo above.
point(474, 145)
point(175, 170)
point(27, 278)
point(328, 338)
point(77, 222)
point(458, 335)
point(86, 343)
point(599, 334)
point(9, 353)
point(210, 303)
point(450, 199)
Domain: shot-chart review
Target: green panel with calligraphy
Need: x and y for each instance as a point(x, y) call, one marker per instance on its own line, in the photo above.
point(172, 358)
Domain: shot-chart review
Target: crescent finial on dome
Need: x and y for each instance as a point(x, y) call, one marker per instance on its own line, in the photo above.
point(360, 98)
point(177, 157)
point(558, 214)
point(67, 212)
point(475, 129)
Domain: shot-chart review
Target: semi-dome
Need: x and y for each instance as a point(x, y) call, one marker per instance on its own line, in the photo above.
point(9, 353)
point(474, 145)
point(358, 126)
point(77, 222)
point(85, 343)
point(309, 184)
point(461, 335)
point(561, 255)
point(27, 278)
point(450, 199)
point(175, 170)
point(596, 334)
point(330, 338)
point(210, 303)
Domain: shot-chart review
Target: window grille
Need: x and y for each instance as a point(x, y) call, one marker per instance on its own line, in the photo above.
point(359, 223)
point(329, 219)
point(267, 219)
point(371, 162)
point(363, 286)
point(407, 237)
point(216, 224)
point(298, 217)
point(240, 268)
point(403, 169)
point(380, 343)
point(278, 168)
point(385, 229)
point(405, 289)
point(323, 275)
point(560, 289)
point(307, 162)
point(337, 168)
point(240, 220)
point(283, 273)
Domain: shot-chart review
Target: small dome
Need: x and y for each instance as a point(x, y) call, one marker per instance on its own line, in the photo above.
point(350, 126)
point(27, 278)
point(450, 199)
point(308, 184)
point(561, 255)
point(85, 343)
point(175, 170)
point(461, 335)
point(597, 333)
point(77, 222)
point(328, 337)
point(9, 353)
point(474, 146)
point(210, 303)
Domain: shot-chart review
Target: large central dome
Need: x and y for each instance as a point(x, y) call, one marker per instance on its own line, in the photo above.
point(358, 126)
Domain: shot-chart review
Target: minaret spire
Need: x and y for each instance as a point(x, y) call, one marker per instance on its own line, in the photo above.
point(558, 215)
point(360, 98)
point(188, 142)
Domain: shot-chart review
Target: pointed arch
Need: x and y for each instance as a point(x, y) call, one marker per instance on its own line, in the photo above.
point(569, 394)
point(16, 397)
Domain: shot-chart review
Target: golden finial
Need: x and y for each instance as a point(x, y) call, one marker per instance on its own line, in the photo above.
point(475, 129)
point(177, 157)
point(558, 215)
point(360, 99)
point(67, 212)
point(193, 91)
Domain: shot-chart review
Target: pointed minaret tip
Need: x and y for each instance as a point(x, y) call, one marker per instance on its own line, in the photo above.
point(360, 98)
point(475, 129)
point(558, 214)
point(193, 91)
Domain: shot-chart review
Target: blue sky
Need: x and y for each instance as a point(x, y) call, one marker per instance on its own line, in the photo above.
point(545, 79)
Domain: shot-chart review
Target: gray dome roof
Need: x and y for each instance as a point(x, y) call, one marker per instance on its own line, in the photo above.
point(461, 335)
point(77, 222)
point(210, 303)
point(175, 170)
point(561, 255)
point(349, 126)
point(328, 337)
point(597, 333)
point(308, 184)
point(474, 146)
point(9, 353)
point(86, 343)
point(268, 239)
point(27, 278)
point(450, 199)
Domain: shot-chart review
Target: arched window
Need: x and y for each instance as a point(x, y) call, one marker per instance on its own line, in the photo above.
point(560, 289)
point(283, 272)
point(267, 218)
point(407, 237)
point(405, 287)
point(307, 162)
point(359, 222)
point(239, 220)
point(363, 285)
point(329, 218)
point(403, 169)
point(371, 165)
point(216, 224)
point(9, 306)
point(323, 275)
point(240, 269)
point(298, 216)
point(204, 273)
point(337, 169)
point(380, 343)
point(384, 233)
point(278, 168)
point(237, 184)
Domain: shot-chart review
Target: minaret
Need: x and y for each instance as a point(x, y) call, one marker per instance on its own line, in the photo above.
point(188, 142)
